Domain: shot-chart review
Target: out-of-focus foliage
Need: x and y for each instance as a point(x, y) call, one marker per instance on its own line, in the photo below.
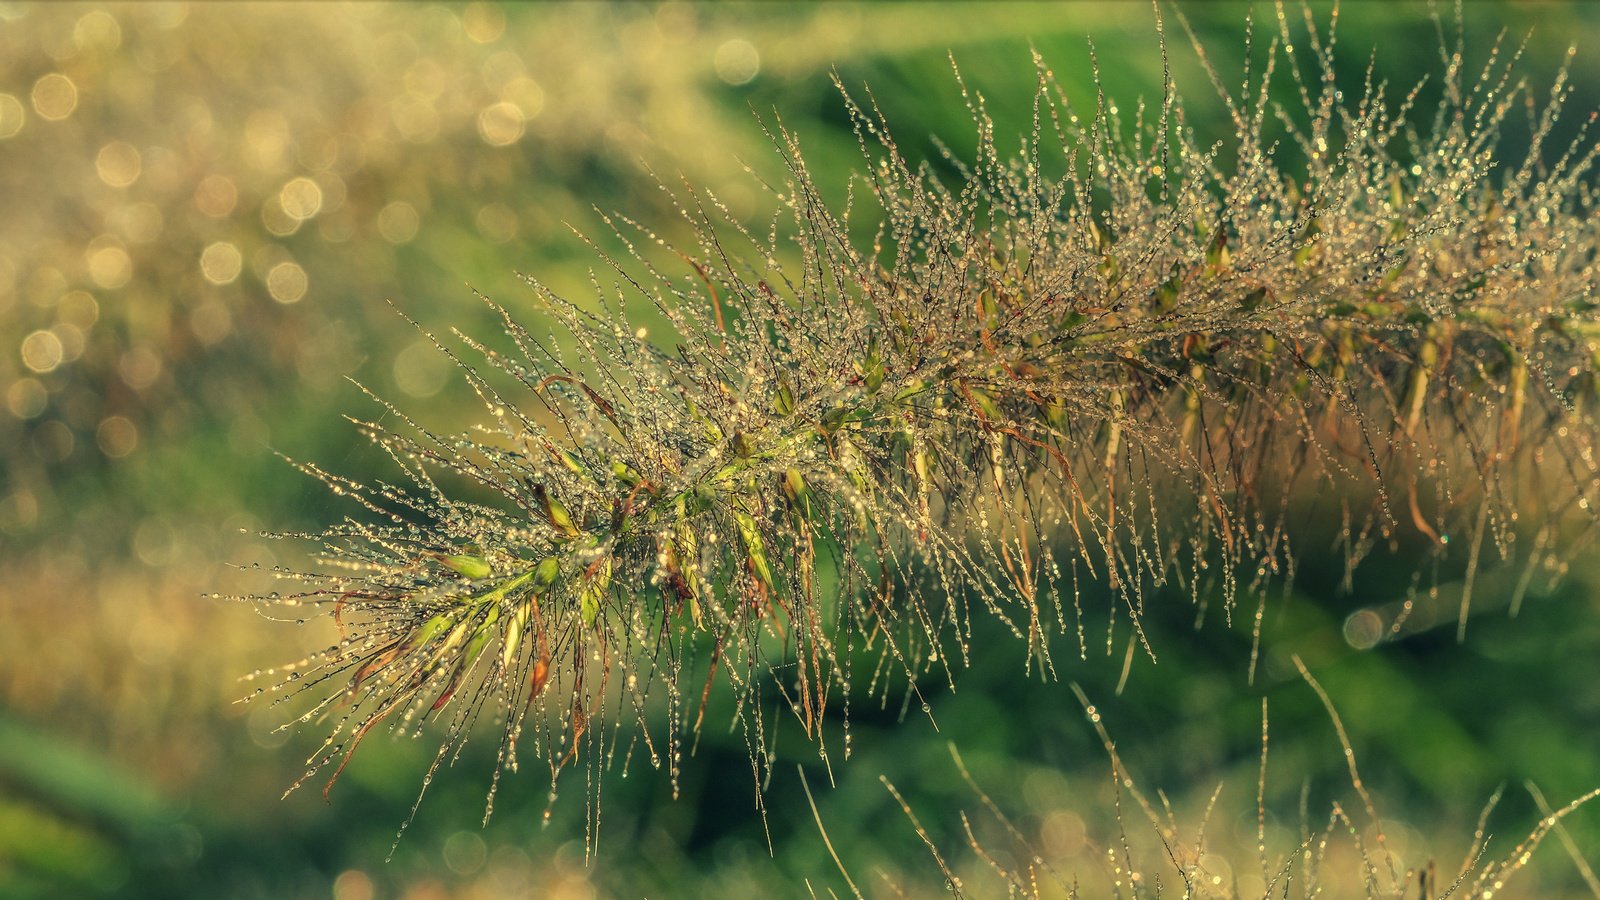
point(205, 210)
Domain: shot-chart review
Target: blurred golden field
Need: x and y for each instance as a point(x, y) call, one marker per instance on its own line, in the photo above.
point(212, 214)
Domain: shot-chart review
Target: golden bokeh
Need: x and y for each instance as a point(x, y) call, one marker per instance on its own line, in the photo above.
point(55, 97)
point(71, 339)
point(301, 198)
point(117, 435)
point(220, 262)
point(211, 321)
point(79, 308)
point(26, 398)
point(118, 164)
point(737, 61)
point(398, 222)
point(12, 116)
point(97, 31)
point(277, 220)
point(420, 370)
point(41, 351)
point(497, 222)
point(287, 283)
point(526, 94)
point(110, 266)
point(216, 196)
point(501, 124)
point(483, 22)
point(140, 366)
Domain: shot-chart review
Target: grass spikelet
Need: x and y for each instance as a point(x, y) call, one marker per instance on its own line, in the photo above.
point(1115, 355)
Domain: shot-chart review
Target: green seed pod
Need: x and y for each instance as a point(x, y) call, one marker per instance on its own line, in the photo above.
point(469, 566)
point(799, 496)
point(783, 402)
point(544, 574)
point(744, 446)
point(572, 463)
point(480, 637)
point(625, 473)
point(872, 370)
point(709, 428)
point(513, 636)
point(920, 465)
point(1218, 256)
point(834, 418)
point(457, 635)
point(687, 545)
point(594, 590)
point(984, 403)
point(874, 373)
point(556, 513)
point(427, 631)
point(504, 588)
point(755, 548)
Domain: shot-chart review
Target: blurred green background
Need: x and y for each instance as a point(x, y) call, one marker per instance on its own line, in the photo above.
point(206, 208)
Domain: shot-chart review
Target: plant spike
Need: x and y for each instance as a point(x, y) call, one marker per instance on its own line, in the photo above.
point(1123, 372)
